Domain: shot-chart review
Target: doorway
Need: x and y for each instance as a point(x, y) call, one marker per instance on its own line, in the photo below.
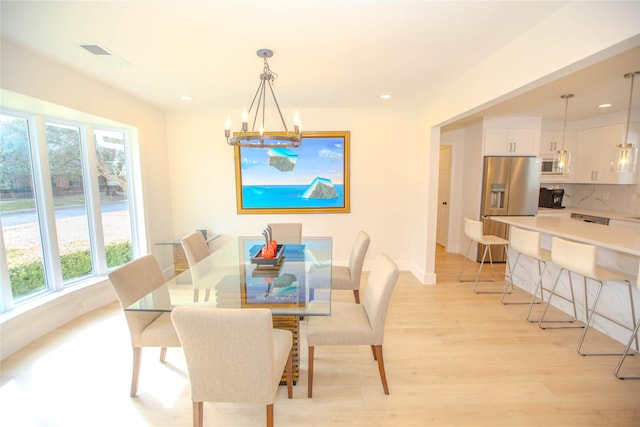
point(444, 191)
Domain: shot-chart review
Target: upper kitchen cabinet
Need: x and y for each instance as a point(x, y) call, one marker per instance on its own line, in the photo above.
point(550, 142)
point(592, 164)
point(511, 136)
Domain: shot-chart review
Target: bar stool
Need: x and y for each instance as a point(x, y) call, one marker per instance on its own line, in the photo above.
point(580, 258)
point(632, 338)
point(561, 256)
point(527, 243)
point(473, 230)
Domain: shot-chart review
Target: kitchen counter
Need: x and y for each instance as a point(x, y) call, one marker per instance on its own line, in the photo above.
point(629, 218)
point(618, 248)
point(615, 237)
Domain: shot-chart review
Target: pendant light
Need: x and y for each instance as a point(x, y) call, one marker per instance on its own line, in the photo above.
point(562, 157)
point(625, 155)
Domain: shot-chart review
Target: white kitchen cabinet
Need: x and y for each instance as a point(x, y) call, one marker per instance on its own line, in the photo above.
point(551, 141)
point(592, 161)
point(511, 142)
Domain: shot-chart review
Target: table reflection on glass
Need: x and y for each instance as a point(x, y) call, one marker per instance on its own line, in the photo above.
point(299, 285)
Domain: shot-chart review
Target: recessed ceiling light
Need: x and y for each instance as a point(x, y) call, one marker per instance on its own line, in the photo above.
point(386, 96)
point(604, 105)
point(186, 98)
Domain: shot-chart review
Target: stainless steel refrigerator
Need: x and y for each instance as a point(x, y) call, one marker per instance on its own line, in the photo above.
point(510, 186)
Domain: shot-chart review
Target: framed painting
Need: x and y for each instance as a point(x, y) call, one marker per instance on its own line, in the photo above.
point(312, 178)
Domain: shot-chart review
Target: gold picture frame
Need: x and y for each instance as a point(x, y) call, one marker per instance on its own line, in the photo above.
point(312, 178)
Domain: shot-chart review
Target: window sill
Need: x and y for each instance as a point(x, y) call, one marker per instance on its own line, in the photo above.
point(46, 299)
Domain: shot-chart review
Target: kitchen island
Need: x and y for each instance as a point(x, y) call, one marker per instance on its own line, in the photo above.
point(618, 249)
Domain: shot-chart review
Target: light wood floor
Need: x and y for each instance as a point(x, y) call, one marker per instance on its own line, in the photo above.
point(453, 358)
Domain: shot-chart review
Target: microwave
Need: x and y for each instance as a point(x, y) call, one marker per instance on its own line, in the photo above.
point(547, 167)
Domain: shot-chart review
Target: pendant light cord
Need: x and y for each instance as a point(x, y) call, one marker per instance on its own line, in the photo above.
point(566, 107)
point(626, 134)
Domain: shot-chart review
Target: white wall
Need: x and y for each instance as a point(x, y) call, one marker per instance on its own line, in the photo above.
point(39, 84)
point(394, 154)
point(203, 180)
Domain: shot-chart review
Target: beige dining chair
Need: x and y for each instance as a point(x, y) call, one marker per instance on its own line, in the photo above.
point(286, 232)
point(233, 355)
point(357, 324)
point(196, 249)
point(131, 282)
point(348, 277)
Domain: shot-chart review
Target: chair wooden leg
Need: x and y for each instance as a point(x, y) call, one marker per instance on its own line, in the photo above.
point(197, 414)
point(373, 351)
point(136, 371)
point(289, 369)
point(163, 354)
point(310, 373)
point(270, 415)
point(356, 294)
point(383, 376)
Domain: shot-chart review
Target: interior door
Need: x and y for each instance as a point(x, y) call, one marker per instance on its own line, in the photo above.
point(444, 190)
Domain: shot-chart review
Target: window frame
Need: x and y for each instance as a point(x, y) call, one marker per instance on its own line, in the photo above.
point(45, 209)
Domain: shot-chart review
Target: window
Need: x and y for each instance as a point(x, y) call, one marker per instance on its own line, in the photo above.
point(65, 204)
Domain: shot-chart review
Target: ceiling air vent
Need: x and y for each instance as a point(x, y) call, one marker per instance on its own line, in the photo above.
point(95, 49)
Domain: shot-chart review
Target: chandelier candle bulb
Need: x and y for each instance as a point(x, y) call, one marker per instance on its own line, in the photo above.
point(296, 123)
point(227, 127)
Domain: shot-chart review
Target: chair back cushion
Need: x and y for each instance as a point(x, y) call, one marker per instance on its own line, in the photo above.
point(577, 257)
point(473, 229)
point(195, 247)
point(229, 353)
point(526, 242)
point(137, 278)
point(131, 282)
point(287, 232)
point(358, 253)
point(380, 284)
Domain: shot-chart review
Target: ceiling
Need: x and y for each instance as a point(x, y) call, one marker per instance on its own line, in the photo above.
point(327, 54)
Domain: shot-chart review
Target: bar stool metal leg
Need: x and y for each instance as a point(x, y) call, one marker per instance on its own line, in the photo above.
point(542, 320)
point(632, 338)
point(541, 270)
point(594, 312)
point(540, 289)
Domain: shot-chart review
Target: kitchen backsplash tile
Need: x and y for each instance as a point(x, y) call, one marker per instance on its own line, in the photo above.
point(610, 198)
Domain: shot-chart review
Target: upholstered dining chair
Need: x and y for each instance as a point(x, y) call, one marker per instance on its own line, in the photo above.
point(233, 355)
point(286, 232)
point(131, 282)
point(357, 324)
point(348, 277)
point(196, 249)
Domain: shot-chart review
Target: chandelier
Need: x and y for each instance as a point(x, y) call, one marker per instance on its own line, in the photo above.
point(259, 138)
point(625, 155)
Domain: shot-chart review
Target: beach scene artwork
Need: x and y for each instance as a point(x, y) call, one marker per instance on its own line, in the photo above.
point(313, 176)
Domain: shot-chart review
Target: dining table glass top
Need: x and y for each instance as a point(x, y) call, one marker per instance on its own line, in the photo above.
point(236, 276)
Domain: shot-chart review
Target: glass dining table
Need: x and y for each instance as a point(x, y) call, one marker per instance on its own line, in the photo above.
point(294, 284)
